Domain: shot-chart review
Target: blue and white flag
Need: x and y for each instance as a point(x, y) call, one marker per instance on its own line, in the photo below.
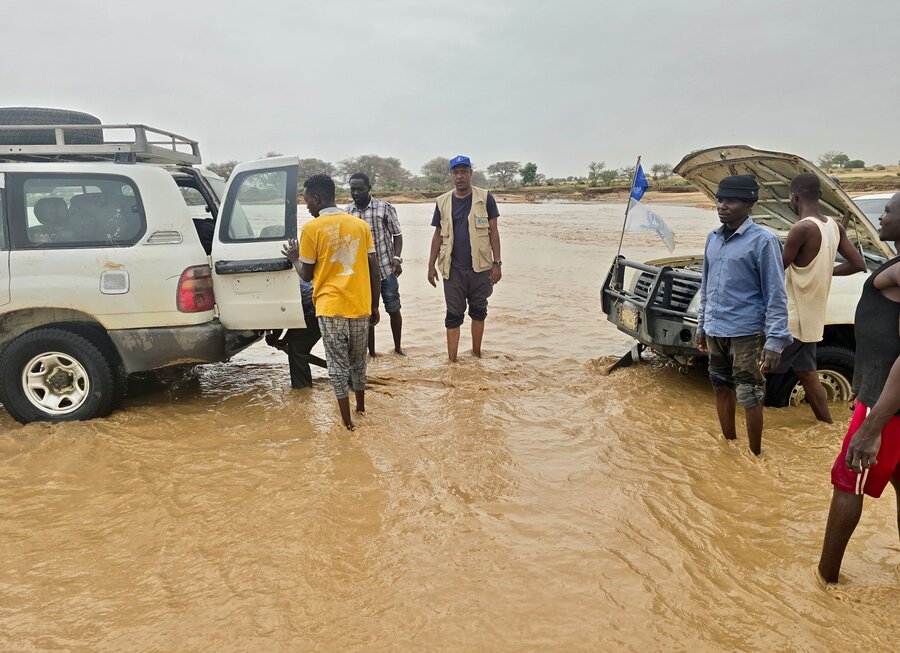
point(640, 218)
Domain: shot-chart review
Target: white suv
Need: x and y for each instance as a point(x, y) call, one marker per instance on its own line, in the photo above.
point(124, 256)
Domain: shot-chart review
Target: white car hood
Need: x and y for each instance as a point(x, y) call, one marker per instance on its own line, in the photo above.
point(774, 172)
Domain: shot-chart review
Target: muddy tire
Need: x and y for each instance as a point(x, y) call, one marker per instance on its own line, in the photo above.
point(835, 366)
point(41, 116)
point(55, 375)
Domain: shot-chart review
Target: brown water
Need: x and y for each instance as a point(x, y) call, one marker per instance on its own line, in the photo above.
point(525, 501)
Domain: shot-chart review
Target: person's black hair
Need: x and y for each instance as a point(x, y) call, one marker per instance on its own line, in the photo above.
point(321, 185)
point(806, 185)
point(360, 175)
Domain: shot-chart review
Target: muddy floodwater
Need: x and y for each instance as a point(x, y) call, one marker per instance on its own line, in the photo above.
point(525, 501)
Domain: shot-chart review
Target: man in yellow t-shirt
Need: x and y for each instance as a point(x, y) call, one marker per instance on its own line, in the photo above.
point(337, 253)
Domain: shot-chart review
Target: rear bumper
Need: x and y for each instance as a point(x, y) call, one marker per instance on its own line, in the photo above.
point(650, 319)
point(142, 350)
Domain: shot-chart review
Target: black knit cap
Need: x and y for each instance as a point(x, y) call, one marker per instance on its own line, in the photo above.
point(738, 187)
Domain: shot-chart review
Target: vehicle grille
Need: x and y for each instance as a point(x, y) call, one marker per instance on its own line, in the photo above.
point(680, 296)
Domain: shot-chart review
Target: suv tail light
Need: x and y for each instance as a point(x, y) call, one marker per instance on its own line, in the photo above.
point(195, 290)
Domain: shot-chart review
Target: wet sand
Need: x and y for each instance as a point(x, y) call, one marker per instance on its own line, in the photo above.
point(525, 501)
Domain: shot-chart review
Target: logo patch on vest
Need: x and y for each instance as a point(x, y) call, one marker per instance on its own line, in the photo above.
point(481, 221)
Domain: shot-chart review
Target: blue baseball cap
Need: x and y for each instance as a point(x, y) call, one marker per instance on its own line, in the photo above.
point(460, 160)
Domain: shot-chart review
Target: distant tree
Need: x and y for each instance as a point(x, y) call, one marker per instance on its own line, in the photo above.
point(661, 170)
point(384, 172)
point(222, 169)
point(437, 171)
point(504, 171)
point(480, 179)
point(529, 173)
point(826, 159)
point(540, 179)
point(840, 160)
point(310, 167)
point(855, 164)
point(608, 176)
point(594, 170)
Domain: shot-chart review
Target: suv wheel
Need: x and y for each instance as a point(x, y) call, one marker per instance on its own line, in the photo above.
point(835, 366)
point(57, 375)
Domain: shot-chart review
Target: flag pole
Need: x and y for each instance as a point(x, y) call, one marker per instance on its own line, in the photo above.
point(625, 221)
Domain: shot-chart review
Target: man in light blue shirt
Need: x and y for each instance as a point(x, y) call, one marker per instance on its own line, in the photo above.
point(742, 319)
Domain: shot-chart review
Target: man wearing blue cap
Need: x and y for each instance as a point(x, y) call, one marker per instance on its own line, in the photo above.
point(466, 249)
point(743, 315)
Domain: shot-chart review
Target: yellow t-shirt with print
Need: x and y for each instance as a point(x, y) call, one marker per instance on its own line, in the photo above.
point(339, 246)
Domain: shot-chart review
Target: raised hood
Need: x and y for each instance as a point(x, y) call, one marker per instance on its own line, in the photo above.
point(774, 172)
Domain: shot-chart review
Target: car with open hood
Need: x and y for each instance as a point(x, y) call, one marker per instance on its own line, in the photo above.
point(656, 302)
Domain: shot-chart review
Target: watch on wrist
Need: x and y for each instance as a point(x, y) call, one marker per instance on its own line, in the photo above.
point(399, 259)
point(498, 263)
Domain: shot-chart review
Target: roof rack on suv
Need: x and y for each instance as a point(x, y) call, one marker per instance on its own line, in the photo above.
point(148, 145)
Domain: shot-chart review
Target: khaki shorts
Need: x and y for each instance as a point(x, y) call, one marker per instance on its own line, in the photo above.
point(734, 363)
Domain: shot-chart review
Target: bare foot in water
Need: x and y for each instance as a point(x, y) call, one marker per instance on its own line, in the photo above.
point(820, 579)
point(400, 351)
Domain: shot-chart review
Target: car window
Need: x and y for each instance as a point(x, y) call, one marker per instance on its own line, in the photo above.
point(195, 201)
point(258, 212)
point(75, 211)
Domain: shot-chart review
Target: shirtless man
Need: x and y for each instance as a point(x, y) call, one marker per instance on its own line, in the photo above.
point(870, 456)
point(808, 258)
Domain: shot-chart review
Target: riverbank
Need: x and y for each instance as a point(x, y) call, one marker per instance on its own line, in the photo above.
point(676, 195)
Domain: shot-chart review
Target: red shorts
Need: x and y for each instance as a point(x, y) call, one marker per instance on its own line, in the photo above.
point(887, 467)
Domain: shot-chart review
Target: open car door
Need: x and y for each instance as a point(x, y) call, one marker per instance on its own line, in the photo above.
point(255, 286)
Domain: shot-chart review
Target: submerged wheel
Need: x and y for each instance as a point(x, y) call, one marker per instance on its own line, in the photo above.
point(57, 375)
point(835, 367)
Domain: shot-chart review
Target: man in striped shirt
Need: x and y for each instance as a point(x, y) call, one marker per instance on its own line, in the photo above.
point(382, 220)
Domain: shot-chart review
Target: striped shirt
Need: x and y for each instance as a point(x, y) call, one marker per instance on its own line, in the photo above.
point(382, 220)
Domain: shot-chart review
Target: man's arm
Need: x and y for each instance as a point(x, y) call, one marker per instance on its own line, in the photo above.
point(432, 256)
point(796, 237)
point(291, 251)
point(699, 335)
point(853, 262)
point(494, 235)
point(375, 284)
point(771, 276)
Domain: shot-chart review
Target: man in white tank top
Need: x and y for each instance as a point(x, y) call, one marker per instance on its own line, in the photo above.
point(809, 256)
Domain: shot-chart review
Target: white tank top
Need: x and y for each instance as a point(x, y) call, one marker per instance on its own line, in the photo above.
point(807, 287)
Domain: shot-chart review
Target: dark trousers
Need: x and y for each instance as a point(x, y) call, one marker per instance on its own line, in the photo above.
point(299, 343)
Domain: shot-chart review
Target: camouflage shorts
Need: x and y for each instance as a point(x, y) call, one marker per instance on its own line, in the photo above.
point(734, 363)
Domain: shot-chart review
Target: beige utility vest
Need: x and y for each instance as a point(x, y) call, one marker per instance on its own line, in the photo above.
point(808, 287)
point(479, 232)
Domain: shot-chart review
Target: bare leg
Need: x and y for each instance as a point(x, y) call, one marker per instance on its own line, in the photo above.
point(372, 342)
point(344, 405)
point(842, 520)
point(396, 330)
point(361, 402)
point(815, 394)
point(452, 343)
point(725, 404)
point(755, 427)
point(477, 335)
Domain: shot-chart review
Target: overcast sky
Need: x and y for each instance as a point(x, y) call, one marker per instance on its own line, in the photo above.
point(560, 83)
